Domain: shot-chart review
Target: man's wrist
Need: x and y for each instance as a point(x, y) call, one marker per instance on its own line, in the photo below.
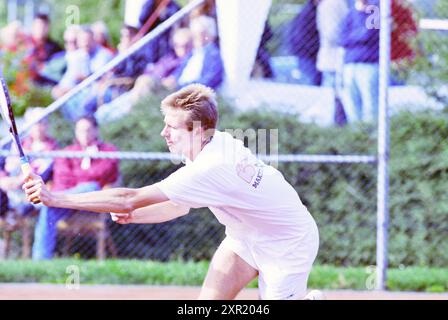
point(54, 199)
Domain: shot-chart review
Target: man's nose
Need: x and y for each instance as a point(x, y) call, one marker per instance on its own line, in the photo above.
point(163, 133)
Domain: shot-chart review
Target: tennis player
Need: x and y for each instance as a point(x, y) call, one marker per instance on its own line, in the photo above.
point(269, 232)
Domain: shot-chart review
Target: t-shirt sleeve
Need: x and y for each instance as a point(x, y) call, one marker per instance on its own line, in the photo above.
point(195, 188)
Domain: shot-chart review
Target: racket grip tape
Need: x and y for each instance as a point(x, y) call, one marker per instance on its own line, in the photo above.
point(26, 170)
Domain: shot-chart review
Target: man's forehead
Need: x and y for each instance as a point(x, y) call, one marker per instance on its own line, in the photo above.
point(175, 115)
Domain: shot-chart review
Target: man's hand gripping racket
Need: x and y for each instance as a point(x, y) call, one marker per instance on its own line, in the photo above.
point(8, 117)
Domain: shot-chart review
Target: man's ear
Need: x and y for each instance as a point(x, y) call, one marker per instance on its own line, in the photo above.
point(202, 132)
point(197, 129)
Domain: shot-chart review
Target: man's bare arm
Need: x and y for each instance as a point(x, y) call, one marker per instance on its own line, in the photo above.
point(111, 200)
point(156, 213)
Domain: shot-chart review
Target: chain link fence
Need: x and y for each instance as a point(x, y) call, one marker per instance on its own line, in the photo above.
point(318, 72)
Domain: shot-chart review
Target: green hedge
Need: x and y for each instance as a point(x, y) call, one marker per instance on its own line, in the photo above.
point(193, 274)
point(341, 197)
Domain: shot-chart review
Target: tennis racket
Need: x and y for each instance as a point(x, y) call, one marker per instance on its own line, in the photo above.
point(8, 117)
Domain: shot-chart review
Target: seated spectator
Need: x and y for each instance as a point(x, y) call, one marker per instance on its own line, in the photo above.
point(150, 81)
point(91, 58)
point(74, 175)
point(207, 8)
point(156, 72)
point(12, 38)
point(64, 66)
point(37, 141)
point(204, 65)
point(152, 14)
point(87, 59)
point(101, 36)
point(42, 48)
point(14, 51)
point(121, 78)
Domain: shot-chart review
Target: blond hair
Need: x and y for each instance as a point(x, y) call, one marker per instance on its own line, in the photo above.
point(199, 101)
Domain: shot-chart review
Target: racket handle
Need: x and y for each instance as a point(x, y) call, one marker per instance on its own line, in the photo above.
point(26, 170)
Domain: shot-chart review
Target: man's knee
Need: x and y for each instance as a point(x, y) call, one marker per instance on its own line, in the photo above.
point(227, 276)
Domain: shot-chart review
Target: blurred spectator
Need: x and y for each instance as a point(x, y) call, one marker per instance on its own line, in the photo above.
point(37, 141)
point(74, 176)
point(77, 63)
point(12, 38)
point(204, 65)
point(404, 31)
point(101, 36)
point(302, 38)
point(183, 45)
point(127, 33)
point(121, 78)
point(97, 55)
point(4, 203)
point(152, 14)
point(360, 74)
point(150, 81)
point(64, 66)
point(13, 51)
point(14, 48)
point(90, 58)
point(330, 17)
point(42, 48)
point(207, 8)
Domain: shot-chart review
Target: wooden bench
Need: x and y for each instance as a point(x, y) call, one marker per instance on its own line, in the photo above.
point(88, 225)
point(12, 223)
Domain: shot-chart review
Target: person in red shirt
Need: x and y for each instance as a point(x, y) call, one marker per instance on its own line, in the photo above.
point(403, 47)
point(74, 175)
point(404, 30)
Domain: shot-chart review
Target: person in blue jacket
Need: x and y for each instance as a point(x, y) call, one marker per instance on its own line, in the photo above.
point(360, 40)
point(204, 65)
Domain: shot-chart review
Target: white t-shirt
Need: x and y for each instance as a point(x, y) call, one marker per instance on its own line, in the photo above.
point(253, 200)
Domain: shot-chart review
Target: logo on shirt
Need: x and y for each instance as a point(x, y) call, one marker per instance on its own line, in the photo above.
point(250, 172)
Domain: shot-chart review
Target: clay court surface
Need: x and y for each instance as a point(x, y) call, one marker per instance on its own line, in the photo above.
point(141, 292)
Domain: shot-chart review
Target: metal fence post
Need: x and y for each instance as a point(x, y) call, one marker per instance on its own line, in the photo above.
point(383, 146)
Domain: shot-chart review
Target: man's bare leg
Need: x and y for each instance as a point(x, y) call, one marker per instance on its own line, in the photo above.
point(228, 274)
